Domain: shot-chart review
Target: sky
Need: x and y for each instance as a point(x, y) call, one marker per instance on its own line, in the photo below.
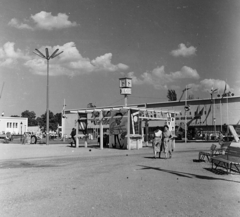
point(160, 44)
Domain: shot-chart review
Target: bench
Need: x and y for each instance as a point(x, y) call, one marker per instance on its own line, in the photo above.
point(229, 159)
point(213, 151)
point(224, 145)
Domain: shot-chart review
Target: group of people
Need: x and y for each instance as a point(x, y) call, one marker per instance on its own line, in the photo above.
point(163, 142)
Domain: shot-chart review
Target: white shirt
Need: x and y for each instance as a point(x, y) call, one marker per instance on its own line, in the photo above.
point(158, 133)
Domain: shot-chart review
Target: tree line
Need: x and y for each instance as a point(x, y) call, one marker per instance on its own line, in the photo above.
point(33, 120)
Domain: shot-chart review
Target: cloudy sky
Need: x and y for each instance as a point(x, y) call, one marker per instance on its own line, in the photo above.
point(161, 44)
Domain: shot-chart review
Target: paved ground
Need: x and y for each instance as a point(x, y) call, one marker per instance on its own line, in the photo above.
point(57, 180)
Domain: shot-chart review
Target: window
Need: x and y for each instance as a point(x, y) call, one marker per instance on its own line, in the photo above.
point(16, 125)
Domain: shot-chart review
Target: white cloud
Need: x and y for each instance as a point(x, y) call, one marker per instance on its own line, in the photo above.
point(184, 51)
point(104, 63)
point(9, 56)
point(71, 62)
point(15, 23)
point(159, 78)
point(205, 85)
point(44, 20)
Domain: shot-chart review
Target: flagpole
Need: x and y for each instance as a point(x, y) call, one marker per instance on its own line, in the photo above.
point(221, 112)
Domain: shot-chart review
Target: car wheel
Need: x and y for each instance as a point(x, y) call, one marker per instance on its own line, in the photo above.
point(33, 139)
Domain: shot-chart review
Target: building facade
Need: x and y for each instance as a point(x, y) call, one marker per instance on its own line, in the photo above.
point(14, 125)
point(203, 113)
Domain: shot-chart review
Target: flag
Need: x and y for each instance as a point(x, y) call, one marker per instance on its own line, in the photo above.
point(225, 89)
point(201, 112)
point(224, 92)
point(196, 113)
point(210, 108)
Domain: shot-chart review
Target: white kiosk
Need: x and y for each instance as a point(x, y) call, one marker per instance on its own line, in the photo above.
point(125, 124)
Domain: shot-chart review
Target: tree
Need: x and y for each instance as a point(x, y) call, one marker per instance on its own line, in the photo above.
point(58, 118)
point(53, 123)
point(31, 115)
point(171, 95)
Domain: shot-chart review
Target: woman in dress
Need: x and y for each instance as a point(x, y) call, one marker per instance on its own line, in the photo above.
point(167, 142)
point(157, 142)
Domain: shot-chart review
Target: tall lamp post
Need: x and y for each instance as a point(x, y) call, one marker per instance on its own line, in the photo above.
point(213, 116)
point(227, 94)
point(47, 57)
point(186, 107)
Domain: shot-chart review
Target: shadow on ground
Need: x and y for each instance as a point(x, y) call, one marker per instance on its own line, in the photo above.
point(22, 164)
point(185, 175)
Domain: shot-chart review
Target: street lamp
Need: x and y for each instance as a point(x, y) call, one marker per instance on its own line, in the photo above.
point(47, 57)
point(213, 114)
point(227, 94)
point(186, 109)
point(21, 130)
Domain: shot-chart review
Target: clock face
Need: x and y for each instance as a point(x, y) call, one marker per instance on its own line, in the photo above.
point(122, 83)
point(125, 82)
point(129, 83)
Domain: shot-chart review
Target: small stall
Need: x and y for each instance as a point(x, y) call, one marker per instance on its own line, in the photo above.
point(126, 124)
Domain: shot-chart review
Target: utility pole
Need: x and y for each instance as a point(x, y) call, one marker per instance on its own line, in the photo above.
point(63, 120)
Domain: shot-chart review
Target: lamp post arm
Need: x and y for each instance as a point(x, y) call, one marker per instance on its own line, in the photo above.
point(40, 53)
point(53, 56)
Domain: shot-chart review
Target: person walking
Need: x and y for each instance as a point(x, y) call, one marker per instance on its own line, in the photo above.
point(73, 134)
point(167, 142)
point(157, 142)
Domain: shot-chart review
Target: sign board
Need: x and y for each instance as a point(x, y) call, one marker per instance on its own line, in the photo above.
point(125, 82)
point(82, 121)
point(118, 129)
point(125, 91)
point(136, 122)
point(234, 133)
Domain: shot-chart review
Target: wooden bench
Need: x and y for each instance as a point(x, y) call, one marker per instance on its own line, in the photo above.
point(224, 145)
point(213, 152)
point(229, 159)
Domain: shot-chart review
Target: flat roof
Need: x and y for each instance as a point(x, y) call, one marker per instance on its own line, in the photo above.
point(3, 117)
point(112, 108)
point(231, 99)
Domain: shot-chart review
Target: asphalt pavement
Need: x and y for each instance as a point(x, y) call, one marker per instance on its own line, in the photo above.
point(58, 180)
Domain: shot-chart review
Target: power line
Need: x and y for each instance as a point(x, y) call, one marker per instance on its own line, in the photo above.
point(146, 97)
point(115, 102)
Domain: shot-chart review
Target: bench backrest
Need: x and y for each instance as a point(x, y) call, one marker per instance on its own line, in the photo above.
point(213, 147)
point(233, 151)
point(224, 144)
